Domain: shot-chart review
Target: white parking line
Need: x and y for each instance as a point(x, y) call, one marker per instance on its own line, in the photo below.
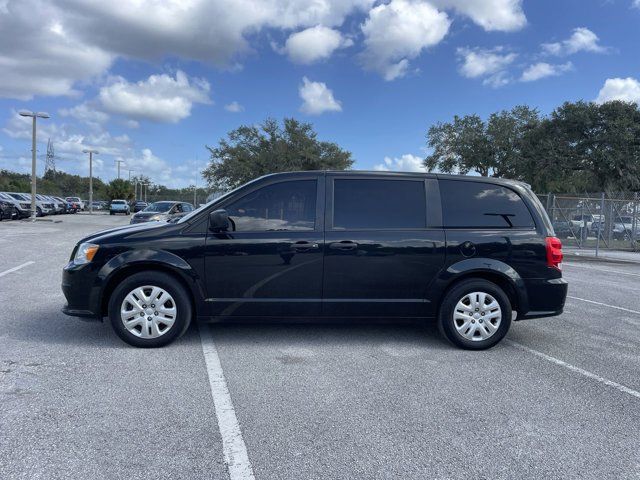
point(234, 450)
point(575, 369)
point(11, 270)
point(599, 269)
point(604, 305)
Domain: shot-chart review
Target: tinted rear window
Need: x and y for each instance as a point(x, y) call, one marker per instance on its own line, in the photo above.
point(482, 205)
point(379, 204)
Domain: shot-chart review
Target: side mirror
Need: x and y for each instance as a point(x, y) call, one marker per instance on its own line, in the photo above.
point(218, 221)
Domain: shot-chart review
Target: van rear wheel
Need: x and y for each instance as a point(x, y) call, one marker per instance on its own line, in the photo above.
point(150, 309)
point(475, 314)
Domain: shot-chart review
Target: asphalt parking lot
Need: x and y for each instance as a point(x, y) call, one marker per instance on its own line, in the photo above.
point(560, 398)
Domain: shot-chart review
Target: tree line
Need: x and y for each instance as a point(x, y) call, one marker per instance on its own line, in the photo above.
point(66, 185)
point(579, 147)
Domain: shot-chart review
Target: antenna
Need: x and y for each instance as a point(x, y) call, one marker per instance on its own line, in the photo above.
point(50, 163)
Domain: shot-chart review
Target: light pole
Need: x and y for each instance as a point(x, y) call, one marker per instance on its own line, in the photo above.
point(33, 115)
point(91, 152)
point(119, 162)
point(130, 175)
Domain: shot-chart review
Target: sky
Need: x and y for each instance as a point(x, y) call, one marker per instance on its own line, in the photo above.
point(152, 82)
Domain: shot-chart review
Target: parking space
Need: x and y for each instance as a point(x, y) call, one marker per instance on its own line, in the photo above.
point(559, 398)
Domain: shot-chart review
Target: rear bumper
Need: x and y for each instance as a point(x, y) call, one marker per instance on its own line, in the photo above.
point(546, 298)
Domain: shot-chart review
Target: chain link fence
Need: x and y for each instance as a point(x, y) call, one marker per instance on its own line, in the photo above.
point(607, 220)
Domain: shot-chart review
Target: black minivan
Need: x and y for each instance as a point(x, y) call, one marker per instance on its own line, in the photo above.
point(467, 251)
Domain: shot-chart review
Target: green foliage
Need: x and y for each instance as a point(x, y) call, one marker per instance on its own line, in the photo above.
point(119, 189)
point(252, 151)
point(579, 147)
point(59, 183)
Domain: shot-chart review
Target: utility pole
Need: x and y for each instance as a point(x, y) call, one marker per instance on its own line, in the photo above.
point(119, 162)
point(33, 115)
point(91, 152)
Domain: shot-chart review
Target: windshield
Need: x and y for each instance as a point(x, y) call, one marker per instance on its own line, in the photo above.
point(17, 196)
point(160, 207)
point(118, 202)
point(625, 220)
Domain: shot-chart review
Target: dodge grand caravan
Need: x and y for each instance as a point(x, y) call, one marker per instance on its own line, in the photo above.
point(467, 251)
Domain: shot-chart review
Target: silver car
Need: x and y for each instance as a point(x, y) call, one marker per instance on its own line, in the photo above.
point(162, 212)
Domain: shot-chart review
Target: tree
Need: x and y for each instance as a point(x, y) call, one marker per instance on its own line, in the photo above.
point(581, 146)
point(461, 146)
point(120, 189)
point(252, 151)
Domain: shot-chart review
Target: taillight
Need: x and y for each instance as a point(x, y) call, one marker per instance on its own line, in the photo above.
point(554, 252)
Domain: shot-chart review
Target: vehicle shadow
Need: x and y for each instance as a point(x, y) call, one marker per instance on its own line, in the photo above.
point(339, 332)
point(50, 327)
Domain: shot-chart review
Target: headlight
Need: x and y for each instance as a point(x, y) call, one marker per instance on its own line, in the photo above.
point(25, 206)
point(85, 253)
point(157, 217)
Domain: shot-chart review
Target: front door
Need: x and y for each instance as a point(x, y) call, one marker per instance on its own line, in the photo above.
point(269, 262)
point(381, 253)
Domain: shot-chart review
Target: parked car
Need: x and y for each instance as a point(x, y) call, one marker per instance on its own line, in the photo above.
point(562, 229)
point(76, 201)
point(625, 228)
point(42, 208)
point(119, 206)
point(58, 206)
point(466, 251)
point(97, 205)
point(21, 208)
point(139, 206)
point(162, 212)
point(7, 210)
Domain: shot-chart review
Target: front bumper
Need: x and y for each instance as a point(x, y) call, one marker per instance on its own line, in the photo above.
point(78, 287)
point(546, 297)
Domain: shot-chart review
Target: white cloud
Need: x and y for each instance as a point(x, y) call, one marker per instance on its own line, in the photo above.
point(234, 107)
point(636, 4)
point(405, 163)
point(86, 113)
point(397, 32)
point(317, 98)
point(48, 46)
point(582, 40)
point(502, 15)
point(39, 56)
point(489, 64)
point(314, 44)
point(160, 98)
point(542, 70)
point(625, 89)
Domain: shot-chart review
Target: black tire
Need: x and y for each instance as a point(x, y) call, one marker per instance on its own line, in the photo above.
point(446, 321)
point(111, 213)
point(38, 212)
point(164, 281)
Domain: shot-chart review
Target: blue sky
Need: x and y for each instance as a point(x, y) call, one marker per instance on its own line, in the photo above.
point(151, 82)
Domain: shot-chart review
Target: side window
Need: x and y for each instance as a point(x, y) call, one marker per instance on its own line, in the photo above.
point(186, 207)
point(378, 204)
point(281, 206)
point(468, 204)
point(177, 208)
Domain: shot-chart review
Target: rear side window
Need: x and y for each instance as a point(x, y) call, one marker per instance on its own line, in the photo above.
point(378, 204)
point(468, 204)
point(281, 206)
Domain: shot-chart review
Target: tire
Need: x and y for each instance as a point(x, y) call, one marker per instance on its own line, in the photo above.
point(38, 212)
point(152, 337)
point(111, 213)
point(474, 334)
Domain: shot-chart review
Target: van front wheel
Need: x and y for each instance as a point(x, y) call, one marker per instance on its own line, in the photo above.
point(150, 309)
point(475, 314)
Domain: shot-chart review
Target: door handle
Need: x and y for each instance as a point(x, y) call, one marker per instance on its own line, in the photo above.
point(304, 245)
point(343, 245)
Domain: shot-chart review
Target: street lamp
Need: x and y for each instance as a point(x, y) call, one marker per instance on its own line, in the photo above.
point(119, 162)
point(33, 115)
point(91, 152)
